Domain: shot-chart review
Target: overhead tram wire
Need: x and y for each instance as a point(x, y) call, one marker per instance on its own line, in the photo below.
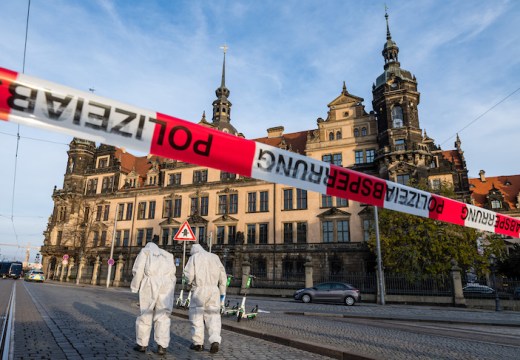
point(18, 127)
point(481, 115)
point(35, 139)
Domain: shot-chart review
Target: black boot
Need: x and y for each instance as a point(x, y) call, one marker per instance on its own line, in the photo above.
point(214, 348)
point(140, 348)
point(161, 350)
point(196, 347)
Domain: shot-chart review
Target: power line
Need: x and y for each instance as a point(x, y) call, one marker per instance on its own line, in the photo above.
point(481, 115)
point(18, 127)
point(35, 139)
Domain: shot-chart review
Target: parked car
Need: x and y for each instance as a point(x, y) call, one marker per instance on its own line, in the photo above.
point(35, 275)
point(329, 292)
point(477, 289)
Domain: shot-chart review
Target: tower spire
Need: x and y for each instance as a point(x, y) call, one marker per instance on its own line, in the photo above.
point(223, 82)
point(390, 50)
point(222, 106)
point(388, 36)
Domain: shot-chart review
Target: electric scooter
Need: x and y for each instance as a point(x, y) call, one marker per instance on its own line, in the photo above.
point(181, 302)
point(225, 309)
point(242, 309)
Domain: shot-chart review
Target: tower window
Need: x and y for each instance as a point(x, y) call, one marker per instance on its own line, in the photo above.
point(364, 131)
point(356, 132)
point(338, 135)
point(403, 179)
point(399, 144)
point(331, 136)
point(397, 117)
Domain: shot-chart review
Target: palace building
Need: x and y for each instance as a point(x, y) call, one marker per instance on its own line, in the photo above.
point(111, 197)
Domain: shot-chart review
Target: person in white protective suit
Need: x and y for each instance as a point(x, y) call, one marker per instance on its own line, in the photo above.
point(207, 277)
point(154, 279)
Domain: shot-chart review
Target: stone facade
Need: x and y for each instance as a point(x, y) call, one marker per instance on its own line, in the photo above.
point(111, 196)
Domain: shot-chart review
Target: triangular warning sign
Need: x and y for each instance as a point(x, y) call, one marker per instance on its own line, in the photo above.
point(185, 233)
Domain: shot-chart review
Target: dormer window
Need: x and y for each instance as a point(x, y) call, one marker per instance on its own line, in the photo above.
point(152, 180)
point(397, 117)
point(496, 204)
point(102, 162)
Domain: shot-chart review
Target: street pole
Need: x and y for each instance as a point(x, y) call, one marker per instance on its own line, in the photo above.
point(112, 247)
point(381, 290)
point(493, 262)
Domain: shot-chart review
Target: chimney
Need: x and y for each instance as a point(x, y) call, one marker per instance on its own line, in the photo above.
point(482, 175)
point(275, 132)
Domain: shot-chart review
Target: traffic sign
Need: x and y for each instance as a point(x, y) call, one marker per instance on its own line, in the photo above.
point(185, 233)
point(66, 257)
point(111, 262)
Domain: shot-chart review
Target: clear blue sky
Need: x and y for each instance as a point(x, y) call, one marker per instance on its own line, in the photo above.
point(286, 61)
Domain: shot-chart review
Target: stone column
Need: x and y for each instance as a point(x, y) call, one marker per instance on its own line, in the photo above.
point(63, 271)
point(309, 280)
point(119, 270)
point(46, 266)
point(81, 266)
point(95, 271)
point(456, 280)
point(246, 270)
point(56, 275)
point(69, 268)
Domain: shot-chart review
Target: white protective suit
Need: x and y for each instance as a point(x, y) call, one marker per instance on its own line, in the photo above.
point(207, 276)
point(154, 279)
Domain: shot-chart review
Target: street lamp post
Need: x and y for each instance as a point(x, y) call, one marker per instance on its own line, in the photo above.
point(493, 263)
point(112, 248)
point(381, 287)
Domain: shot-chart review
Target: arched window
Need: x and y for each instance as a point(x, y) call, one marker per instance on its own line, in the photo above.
point(397, 117)
point(356, 132)
point(331, 136)
point(338, 135)
point(364, 131)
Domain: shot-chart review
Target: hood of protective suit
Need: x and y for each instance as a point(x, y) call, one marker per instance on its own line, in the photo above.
point(196, 248)
point(152, 246)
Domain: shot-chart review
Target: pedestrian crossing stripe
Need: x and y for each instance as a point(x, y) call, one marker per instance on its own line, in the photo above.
point(185, 233)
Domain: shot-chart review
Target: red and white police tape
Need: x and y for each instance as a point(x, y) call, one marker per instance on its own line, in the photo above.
point(39, 103)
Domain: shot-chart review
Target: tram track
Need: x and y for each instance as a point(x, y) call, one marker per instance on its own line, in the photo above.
point(6, 345)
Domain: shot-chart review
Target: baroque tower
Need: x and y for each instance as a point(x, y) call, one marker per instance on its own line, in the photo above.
point(403, 155)
point(80, 158)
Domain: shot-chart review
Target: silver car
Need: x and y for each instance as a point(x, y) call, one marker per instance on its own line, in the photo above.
point(337, 292)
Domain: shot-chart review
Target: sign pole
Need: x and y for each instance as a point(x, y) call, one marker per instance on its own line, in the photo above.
point(183, 256)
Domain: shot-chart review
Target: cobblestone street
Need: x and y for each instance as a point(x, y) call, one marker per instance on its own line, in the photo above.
point(64, 321)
